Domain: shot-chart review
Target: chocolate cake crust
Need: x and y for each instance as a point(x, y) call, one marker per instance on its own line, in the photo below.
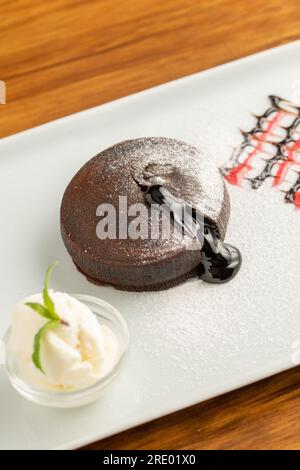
point(128, 169)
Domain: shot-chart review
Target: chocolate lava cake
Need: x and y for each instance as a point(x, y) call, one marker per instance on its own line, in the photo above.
point(128, 169)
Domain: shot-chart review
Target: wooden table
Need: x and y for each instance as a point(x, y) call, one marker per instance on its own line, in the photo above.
point(63, 56)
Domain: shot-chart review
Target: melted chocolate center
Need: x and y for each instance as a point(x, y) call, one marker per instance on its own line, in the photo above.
point(220, 261)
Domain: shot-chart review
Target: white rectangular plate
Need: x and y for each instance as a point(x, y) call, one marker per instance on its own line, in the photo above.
point(189, 343)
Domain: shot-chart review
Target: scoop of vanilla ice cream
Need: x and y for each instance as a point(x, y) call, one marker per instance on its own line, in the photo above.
point(73, 355)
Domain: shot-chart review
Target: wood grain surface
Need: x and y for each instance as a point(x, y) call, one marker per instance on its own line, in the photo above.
point(265, 415)
point(60, 57)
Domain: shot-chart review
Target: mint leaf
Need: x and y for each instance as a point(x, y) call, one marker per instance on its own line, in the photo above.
point(41, 310)
point(49, 304)
point(46, 311)
point(37, 343)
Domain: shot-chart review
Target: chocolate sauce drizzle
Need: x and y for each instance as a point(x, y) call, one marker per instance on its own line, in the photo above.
point(220, 262)
point(271, 150)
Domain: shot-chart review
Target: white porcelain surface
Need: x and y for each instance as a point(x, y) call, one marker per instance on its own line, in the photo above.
point(189, 343)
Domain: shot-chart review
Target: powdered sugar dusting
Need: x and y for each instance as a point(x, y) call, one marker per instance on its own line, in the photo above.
point(157, 160)
point(124, 170)
point(194, 321)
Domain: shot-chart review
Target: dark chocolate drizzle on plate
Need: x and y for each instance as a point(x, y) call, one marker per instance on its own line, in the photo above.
point(220, 262)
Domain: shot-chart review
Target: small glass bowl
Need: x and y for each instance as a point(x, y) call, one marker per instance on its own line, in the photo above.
point(106, 315)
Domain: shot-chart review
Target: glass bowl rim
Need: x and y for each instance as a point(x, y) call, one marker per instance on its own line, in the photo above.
point(26, 389)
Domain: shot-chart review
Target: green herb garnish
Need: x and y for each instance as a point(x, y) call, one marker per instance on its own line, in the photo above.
point(46, 311)
point(37, 343)
point(43, 311)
